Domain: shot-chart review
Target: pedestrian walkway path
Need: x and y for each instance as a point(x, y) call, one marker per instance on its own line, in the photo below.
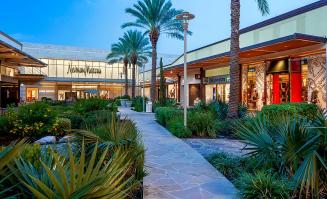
point(175, 170)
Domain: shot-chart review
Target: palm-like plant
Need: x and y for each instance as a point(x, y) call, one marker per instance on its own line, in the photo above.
point(138, 45)
point(156, 17)
point(235, 90)
point(95, 177)
point(120, 53)
point(294, 145)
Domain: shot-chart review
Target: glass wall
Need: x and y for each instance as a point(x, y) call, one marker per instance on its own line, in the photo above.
point(59, 68)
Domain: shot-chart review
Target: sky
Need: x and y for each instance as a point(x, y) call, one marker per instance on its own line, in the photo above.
point(97, 23)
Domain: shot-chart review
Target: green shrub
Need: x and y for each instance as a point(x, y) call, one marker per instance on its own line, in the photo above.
point(61, 127)
point(96, 118)
point(33, 120)
point(164, 114)
point(219, 108)
point(137, 103)
point(33, 154)
point(201, 123)
point(176, 127)
point(87, 105)
point(229, 166)
point(77, 121)
point(263, 185)
point(4, 125)
point(291, 109)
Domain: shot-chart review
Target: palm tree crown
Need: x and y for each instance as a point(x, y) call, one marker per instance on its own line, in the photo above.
point(120, 52)
point(139, 50)
point(156, 17)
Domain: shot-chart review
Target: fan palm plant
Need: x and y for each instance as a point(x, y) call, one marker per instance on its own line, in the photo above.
point(290, 144)
point(235, 84)
point(120, 52)
point(156, 17)
point(139, 48)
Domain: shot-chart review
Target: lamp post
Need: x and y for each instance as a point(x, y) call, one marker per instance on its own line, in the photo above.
point(143, 93)
point(185, 17)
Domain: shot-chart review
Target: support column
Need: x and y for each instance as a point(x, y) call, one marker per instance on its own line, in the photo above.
point(202, 89)
point(0, 88)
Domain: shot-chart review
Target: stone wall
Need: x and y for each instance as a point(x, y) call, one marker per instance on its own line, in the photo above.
point(317, 79)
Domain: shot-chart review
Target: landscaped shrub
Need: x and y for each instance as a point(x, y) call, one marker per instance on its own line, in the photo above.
point(177, 128)
point(164, 114)
point(61, 127)
point(4, 125)
point(201, 123)
point(137, 103)
point(291, 109)
point(219, 108)
point(295, 145)
point(263, 185)
point(96, 118)
point(33, 120)
point(77, 121)
point(87, 105)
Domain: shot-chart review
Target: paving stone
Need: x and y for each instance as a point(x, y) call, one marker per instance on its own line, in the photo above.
point(176, 170)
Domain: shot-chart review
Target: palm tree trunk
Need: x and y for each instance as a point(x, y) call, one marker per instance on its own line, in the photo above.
point(133, 80)
point(154, 36)
point(235, 91)
point(126, 76)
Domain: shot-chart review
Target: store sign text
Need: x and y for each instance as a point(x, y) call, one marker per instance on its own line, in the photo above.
point(86, 70)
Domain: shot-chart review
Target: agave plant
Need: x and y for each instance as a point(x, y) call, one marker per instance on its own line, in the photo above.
point(98, 176)
point(7, 155)
point(296, 146)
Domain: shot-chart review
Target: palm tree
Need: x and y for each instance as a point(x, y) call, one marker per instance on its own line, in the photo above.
point(120, 53)
point(139, 49)
point(235, 90)
point(156, 17)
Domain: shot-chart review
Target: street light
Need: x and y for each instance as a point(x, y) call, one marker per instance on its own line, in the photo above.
point(185, 17)
point(143, 93)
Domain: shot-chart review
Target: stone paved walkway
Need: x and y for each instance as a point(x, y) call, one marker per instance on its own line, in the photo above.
point(206, 147)
point(175, 170)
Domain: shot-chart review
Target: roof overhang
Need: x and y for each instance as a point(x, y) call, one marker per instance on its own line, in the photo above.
point(13, 57)
point(29, 78)
point(290, 46)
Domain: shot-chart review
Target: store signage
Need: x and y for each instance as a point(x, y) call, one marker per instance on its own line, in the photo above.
point(218, 80)
point(86, 70)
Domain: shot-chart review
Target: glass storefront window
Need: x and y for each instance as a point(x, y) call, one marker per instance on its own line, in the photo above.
point(32, 94)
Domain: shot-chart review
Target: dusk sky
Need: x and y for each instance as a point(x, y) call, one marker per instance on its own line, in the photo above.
point(97, 23)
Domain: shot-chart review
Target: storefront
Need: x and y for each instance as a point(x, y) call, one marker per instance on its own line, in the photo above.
point(72, 73)
point(282, 59)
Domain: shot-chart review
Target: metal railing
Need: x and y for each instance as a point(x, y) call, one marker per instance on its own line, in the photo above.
point(10, 40)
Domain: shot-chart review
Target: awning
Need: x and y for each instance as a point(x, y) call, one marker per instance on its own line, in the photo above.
point(292, 45)
point(29, 78)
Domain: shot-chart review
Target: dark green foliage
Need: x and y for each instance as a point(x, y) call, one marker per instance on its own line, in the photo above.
point(164, 114)
point(61, 127)
point(87, 105)
point(219, 108)
point(291, 144)
point(291, 109)
point(242, 110)
point(201, 123)
point(137, 103)
point(95, 118)
point(77, 121)
point(176, 127)
point(4, 125)
point(162, 95)
point(36, 112)
point(263, 185)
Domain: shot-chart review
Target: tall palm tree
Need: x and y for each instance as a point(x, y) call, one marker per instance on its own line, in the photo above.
point(120, 53)
point(139, 49)
point(156, 17)
point(235, 73)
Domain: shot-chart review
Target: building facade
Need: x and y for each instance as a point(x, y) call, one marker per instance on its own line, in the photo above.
point(282, 59)
point(72, 73)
